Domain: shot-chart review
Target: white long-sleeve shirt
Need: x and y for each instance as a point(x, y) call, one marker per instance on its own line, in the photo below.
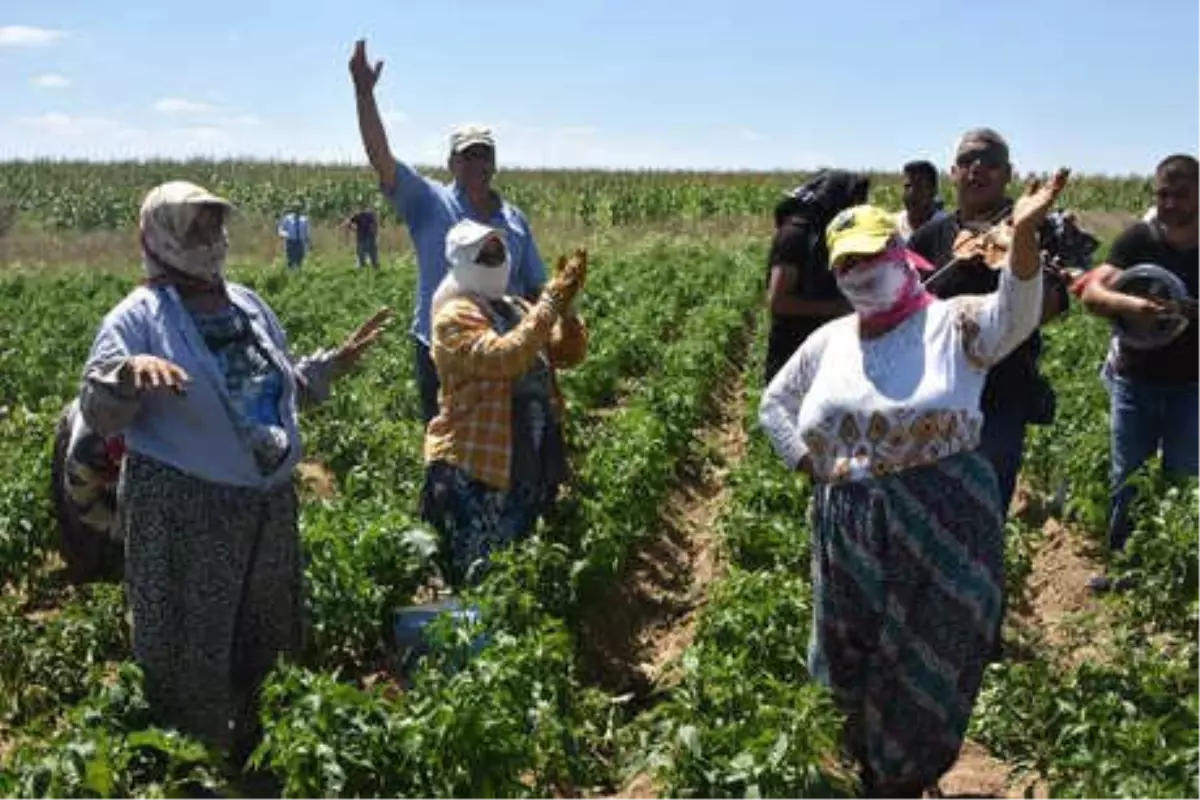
point(867, 407)
point(294, 227)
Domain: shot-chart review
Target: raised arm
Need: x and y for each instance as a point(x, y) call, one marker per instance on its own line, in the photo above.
point(463, 335)
point(315, 373)
point(370, 125)
point(995, 324)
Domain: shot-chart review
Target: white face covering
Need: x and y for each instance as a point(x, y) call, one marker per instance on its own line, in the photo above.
point(878, 286)
point(166, 214)
point(467, 276)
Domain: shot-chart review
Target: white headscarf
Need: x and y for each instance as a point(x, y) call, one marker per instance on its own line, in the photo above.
point(466, 277)
point(166, 213)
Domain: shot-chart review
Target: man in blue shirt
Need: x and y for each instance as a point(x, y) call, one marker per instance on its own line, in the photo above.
point(429, 209)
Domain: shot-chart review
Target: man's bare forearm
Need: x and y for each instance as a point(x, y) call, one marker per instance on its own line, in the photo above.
point(374, 139)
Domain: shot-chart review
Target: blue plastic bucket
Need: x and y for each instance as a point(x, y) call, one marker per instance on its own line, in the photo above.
point(408, 628)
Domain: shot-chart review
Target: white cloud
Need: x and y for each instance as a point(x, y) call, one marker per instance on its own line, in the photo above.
point(25, 36)
point(244, 119)
point(175, 105)
point(51, 81)
point(60, 124)
point(747, 135)
point(393, 117)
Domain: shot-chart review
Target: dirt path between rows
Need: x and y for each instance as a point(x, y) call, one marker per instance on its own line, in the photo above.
point(1056, 612)
point(642, 630)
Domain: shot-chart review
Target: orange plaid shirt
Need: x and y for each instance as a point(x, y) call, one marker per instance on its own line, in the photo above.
point(476, 369)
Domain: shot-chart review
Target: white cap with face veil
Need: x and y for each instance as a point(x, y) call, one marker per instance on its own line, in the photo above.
point(166, 214)
point(466, 275)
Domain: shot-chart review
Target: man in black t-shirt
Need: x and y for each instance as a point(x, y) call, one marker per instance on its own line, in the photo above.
point(1015, 393)
point(366, 227)
point(802, 294)
point(1154, 392)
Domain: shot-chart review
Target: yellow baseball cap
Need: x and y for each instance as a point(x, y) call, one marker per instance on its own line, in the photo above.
point(859, 231)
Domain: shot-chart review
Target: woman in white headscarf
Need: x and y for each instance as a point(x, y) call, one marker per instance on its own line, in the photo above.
point(194, 372)
point(494, 453)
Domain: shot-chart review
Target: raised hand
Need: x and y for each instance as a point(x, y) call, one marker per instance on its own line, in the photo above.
point(570, 275)
point(1038, 198)
point(366, 335)
point(361, 72)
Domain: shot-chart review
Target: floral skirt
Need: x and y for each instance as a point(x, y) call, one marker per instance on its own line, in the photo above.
point(908, 571)
point(214, 579)
point(475, 520)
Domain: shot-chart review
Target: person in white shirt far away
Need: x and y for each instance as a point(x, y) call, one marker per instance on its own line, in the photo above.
point(296, 234)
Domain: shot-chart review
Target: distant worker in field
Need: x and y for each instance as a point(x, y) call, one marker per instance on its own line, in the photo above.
point(296, 234)
point(882, 410)
point(921, 201)
point(495, 454)
point(1016, 393)
point(366, 231)
point(1153, 382)
point(429, 209)
point(801, 293)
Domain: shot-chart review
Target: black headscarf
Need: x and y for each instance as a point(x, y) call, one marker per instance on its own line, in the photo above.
point(823, 196)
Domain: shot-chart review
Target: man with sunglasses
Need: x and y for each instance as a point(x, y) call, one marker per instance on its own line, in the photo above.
point(1015, 393)
point(429, 209)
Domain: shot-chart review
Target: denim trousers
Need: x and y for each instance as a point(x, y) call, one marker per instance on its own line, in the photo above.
point(1147, 418)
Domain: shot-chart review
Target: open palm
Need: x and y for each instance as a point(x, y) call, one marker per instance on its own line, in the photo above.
point(361, 72)
point(1038, 198)
point(365, 336)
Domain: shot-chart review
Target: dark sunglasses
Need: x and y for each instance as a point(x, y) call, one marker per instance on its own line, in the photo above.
point(492, 253)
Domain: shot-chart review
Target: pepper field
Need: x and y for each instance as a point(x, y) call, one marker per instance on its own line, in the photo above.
point(650, 639)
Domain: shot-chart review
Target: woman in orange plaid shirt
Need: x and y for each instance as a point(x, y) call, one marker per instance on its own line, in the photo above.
point(495, 454)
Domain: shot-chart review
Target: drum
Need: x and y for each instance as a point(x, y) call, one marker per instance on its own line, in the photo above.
point(1150, 281)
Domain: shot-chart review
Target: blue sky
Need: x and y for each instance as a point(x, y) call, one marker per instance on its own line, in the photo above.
point(1100, 86)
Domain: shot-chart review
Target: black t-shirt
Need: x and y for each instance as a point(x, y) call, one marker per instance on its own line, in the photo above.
point(364, 225)
point(1015, 379)
point(803, 248)
point(1177, 362)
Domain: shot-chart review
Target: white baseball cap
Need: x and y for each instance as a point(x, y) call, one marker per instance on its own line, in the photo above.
point(465, 136)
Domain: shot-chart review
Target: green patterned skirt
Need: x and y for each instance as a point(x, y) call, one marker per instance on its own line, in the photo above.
point(908, 571)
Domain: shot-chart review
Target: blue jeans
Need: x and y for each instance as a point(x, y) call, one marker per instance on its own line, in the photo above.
point(427, 381)
point(1002, 441)
point(1146, 417)
point(295, 252)
point(368, 249)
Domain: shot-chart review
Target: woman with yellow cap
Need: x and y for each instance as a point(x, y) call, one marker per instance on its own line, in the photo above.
point(494, 451)
point(194, 371)
point(881, 409)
